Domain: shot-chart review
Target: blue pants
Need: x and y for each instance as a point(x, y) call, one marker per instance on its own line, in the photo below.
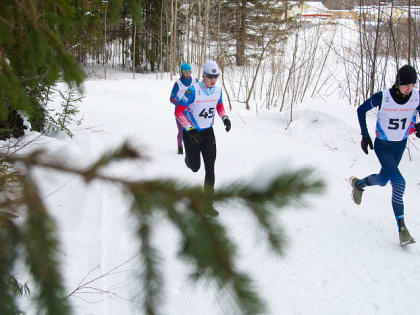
point(389, 154)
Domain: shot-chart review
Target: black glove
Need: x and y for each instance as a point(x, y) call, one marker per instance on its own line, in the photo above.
point(194, 135)
point(365, 142)
point(417, 127)
point(227, 123)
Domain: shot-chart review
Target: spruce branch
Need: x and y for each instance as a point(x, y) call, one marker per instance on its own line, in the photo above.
point(205, 242)
point(287, 188)
point(41, 248)
point(151, 275)
point(9, 237)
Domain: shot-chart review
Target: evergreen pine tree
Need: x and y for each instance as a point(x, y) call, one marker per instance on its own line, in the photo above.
point(37, 38)
point(246, 22)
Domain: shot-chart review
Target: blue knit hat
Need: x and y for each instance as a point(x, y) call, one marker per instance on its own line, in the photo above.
point(185, 67)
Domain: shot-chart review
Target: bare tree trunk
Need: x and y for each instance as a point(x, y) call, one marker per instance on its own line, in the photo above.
point(322, 66)
point(218, 34)
point(291, 70)
point(256, 72)
point(175, 32)
point(188, 34)
point(206, 30)
point(193, 36)
point(168, 54)
point(171, 52)
point(362, 27)
point(409, 31)
point(134, 51)
point(161, 41)
point(240, 32)
point(198, 45)
point(375, 51)
point(222, 67)
point(392, 38)
point(415, 40)
point(122, 45)
point(105, 60)
point(105, 57)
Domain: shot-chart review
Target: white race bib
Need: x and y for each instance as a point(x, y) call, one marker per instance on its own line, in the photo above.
point(394, 119)
point(202, 111)
point(183, 88)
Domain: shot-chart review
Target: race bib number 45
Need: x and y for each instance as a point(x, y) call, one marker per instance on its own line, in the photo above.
point(207, 113)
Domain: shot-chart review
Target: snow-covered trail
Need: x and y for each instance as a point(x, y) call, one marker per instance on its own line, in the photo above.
point(340, 259)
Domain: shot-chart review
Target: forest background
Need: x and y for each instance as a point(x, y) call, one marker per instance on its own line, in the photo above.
point(157, 36)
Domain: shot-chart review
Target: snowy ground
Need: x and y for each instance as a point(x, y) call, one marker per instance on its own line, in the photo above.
point(341, 258)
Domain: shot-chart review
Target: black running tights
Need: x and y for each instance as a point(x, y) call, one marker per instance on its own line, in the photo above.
point(207, 148)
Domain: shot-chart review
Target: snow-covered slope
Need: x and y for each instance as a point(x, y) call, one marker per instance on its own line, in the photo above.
point(340, 259)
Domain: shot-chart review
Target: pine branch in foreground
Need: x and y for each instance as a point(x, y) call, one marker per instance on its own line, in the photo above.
point(205, 242)
point(41, 248)
point(8, 254)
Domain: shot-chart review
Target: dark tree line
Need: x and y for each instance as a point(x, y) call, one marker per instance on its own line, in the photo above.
point(179, 29)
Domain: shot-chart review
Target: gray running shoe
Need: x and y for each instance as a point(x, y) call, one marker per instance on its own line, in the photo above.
point(405, 237)
point(356, 193)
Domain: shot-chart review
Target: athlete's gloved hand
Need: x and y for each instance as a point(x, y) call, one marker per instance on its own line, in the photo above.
point(226, 122)
point(194, 135)
point(365, 142)
point(417, 126)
